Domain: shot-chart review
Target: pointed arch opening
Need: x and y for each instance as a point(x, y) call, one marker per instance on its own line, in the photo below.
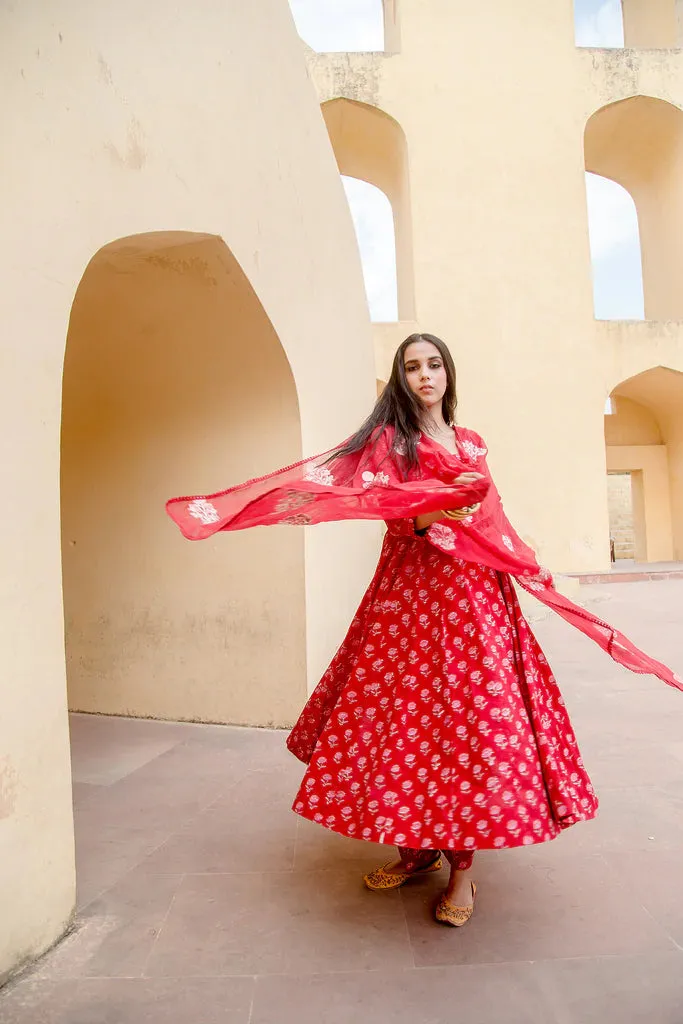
point(369, 145)
point(373, 221)
point(644, 449)
point(616, 260)
point(171, 366)
point(638, 143)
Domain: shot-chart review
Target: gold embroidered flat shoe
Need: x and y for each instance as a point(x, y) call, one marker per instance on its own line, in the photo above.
point(380, 879)
point(448, 913)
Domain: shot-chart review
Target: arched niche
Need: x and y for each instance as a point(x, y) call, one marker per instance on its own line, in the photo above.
point(638, 142)
point(174, 382)
point(644, 439)
point(370, 145)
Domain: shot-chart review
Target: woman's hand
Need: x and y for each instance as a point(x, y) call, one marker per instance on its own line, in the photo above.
point(467, 478)
point(423, 521)
point(466, 510)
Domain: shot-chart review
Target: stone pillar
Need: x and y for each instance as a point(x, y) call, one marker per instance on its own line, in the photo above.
point(651, 24)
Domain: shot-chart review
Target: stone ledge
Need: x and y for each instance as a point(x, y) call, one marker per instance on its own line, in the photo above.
point(627, 577)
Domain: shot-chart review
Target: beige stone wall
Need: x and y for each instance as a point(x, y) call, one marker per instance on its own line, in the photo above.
point(499, 236)
point(215, 130)
point(651, 23)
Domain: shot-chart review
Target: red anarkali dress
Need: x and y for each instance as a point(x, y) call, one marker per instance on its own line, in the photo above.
point(438, 724)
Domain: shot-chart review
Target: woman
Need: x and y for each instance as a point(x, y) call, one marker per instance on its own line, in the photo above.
point(438, 726)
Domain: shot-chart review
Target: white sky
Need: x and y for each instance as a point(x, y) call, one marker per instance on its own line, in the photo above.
point(328, 25)
point(597, 23)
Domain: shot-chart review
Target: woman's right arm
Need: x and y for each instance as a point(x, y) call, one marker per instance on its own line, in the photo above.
point(423, 522)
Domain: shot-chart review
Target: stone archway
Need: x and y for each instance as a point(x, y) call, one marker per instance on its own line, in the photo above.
point(638, 142)
point(370, 145)
point(174, 382)
point(644, 441)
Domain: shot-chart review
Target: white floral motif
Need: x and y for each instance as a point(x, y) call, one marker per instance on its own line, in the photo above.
point(371, 479)
point(300, 519)
point(472, 450)
point(319, 475)
point(442, 536)
point(536, 581)
point(450, 642)
point(508, 543)
point(203, 510)
point(292, 500)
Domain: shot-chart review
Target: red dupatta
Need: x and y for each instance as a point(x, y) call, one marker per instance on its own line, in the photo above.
point(376, 483)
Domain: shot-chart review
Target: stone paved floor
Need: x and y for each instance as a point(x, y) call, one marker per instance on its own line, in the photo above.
point(202, 899)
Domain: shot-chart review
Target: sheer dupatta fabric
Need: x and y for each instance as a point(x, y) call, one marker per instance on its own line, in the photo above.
point(377, 483)
point(374, 483)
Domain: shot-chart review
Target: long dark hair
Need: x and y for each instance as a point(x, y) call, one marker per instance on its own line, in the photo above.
point(400, 408)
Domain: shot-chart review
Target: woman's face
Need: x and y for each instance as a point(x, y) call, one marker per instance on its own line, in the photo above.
point(425, 372)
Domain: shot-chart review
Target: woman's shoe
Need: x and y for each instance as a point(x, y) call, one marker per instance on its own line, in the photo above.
point(380, 879)
point(448, 913)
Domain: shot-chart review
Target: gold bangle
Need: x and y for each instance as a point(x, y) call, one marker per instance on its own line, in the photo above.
point(460, 513)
